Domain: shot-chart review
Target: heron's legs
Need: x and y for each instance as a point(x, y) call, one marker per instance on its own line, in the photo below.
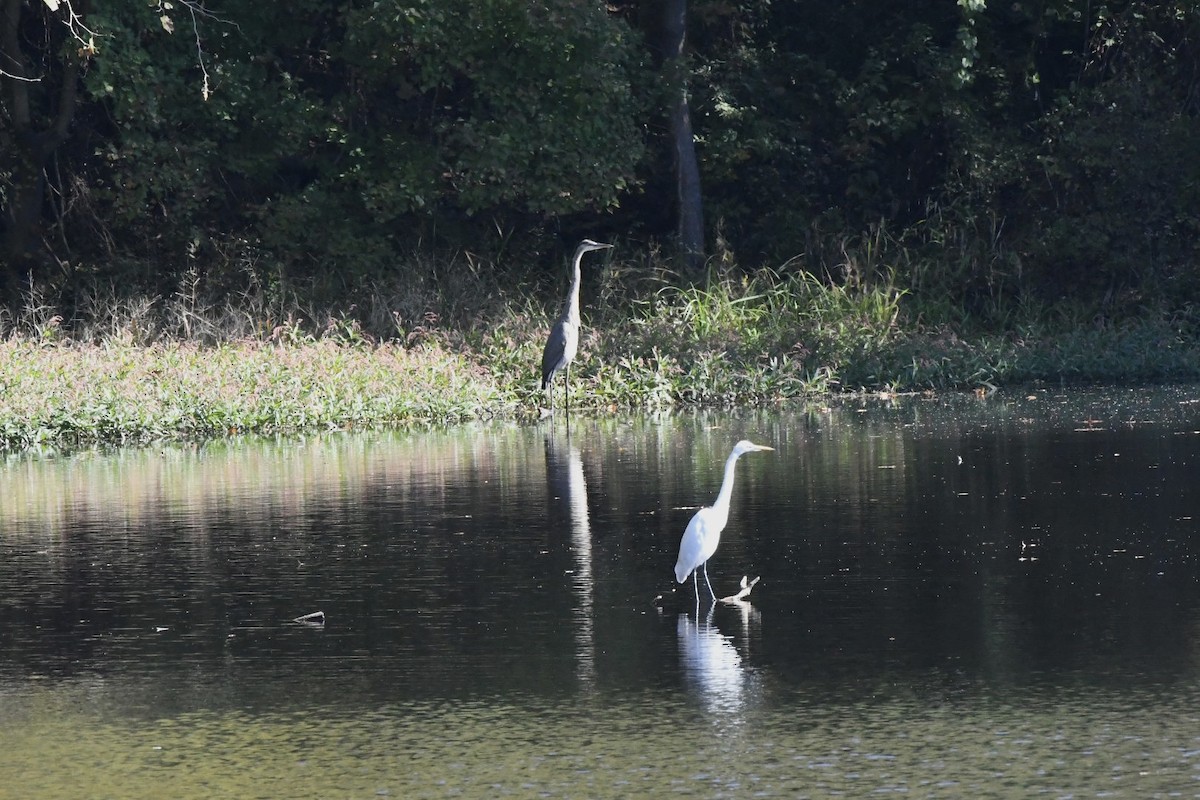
point(696, 587)
point(567, 386)
point(710, 589)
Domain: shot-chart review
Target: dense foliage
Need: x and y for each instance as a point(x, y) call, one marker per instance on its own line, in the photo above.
point(985, 157)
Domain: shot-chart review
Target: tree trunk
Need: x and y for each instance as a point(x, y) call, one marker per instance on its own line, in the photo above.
point(687, 171)
point(30, 149)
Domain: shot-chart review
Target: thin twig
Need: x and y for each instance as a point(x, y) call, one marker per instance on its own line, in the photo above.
point(204, 91)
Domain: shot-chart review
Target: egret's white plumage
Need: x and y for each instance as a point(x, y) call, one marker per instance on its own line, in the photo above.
point(703, 533)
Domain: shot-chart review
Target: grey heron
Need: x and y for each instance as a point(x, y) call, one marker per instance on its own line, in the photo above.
point(703, 533)
point(563, 343)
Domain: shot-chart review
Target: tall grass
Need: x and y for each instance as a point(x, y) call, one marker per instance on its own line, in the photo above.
point(743, 339)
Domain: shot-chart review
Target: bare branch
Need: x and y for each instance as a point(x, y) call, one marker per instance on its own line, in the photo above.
point(196, 10)
point(204, 91)
point(73, 23)
point(6, 74)
point(76, 27)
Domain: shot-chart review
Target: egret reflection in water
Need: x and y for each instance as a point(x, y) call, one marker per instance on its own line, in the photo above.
point(712, 665)
point(568, 487)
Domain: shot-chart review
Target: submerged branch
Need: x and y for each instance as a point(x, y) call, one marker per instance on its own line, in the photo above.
point(747, 586)
point(315, 619)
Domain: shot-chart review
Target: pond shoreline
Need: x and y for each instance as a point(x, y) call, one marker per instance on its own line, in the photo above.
point(67, 395)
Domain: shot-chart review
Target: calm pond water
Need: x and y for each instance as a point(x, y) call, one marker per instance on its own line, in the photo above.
point(959, 597)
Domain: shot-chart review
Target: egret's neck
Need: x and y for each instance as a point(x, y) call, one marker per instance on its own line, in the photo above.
point(726, 494)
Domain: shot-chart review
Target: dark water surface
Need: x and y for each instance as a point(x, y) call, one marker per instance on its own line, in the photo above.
point(958, 598)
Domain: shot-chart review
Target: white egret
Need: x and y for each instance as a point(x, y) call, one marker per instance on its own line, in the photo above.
point(703, 533)
point(563, 343)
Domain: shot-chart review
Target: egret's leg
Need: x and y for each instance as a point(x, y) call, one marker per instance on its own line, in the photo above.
point(696, 587)
point(710, 589)
point(567, 386)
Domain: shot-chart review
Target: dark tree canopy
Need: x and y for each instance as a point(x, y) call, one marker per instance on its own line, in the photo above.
point(1006, 149)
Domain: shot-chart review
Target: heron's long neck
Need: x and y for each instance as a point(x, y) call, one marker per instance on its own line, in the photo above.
point(726, 493)
point(572, 310)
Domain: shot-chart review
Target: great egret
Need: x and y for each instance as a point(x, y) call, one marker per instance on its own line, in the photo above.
point(563, 343)
point(703, 533)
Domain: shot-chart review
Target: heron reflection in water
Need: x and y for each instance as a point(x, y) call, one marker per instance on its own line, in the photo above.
point(568, 486)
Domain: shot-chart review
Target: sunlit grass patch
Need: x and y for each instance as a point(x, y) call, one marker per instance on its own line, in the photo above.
point(80, 393)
